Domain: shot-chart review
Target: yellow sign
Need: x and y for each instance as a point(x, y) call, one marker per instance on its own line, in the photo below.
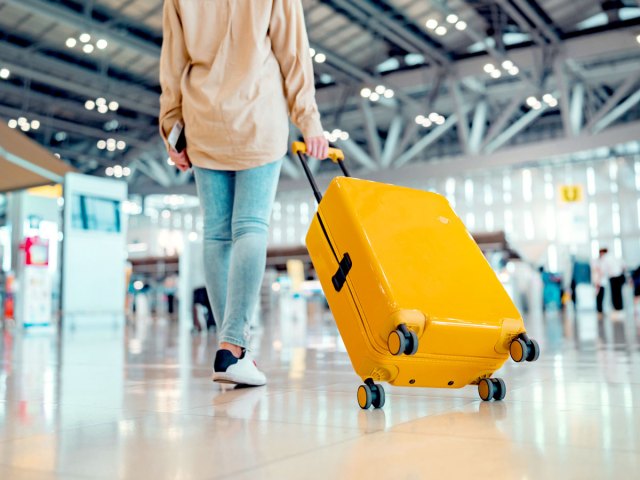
point(571, 193)
point(49, 191)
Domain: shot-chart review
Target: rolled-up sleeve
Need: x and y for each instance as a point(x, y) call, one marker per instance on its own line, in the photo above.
point(290, 45)
point(173, 60)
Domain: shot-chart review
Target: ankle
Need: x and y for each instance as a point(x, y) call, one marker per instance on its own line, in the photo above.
point(234, 349)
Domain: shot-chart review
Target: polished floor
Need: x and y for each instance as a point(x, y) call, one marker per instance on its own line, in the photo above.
point(136, 402)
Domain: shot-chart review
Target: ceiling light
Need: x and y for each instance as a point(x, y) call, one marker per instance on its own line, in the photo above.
point(537, 106)
point(380, 89)
point(441, 30)
point(88, 48)
point(111, 148)
point(61, 136)
point(431, 24)
point(433, 116)
point(101, 101)
point(514, 70)
point(321, 58)
point(440, 120)
point(109, 171)
point(427, 123)
point(170, 162)
point(22, 121)
point(117, 168)
point(489, 67)
point(103, 109)
point(531, 101)
point(126, 171)
point(365, 92)
point(13, 123)
point(71, 42)
point(114, 106)
point(507, 64)
point(389, 93)
point(327, 135)
point(102, 144)
point(374, 97)
point(548, 98)
point(85, 38)
point(344, 136)
point(102, 44)
point(553, 103)
point(312, 52)
point(496, 74)
point(638, 39)
point(420, 119)
point(121, 145)
point(461, 25)
point(35, 124)
point(452, 18)
point(4, 73)
point(25, 127)
point(111, 141)
point(89, 104)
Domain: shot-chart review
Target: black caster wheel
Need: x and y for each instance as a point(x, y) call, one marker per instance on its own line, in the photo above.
point(412, 346)
point(365, 397)
point(402, 341)
point(500, 389)
point(534, 351)
point(378, 396)
point(519, 350)
point(397, 343)
point(371, 394)
point(486, 389)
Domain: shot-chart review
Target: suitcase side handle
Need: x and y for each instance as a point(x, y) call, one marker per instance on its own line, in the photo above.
point(336, 155)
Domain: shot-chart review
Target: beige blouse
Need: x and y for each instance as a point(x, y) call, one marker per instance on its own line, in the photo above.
point(233, 71)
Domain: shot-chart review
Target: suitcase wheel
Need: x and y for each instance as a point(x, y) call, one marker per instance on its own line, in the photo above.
point(519, 350)
point(534, 351)
point(524, 348)
point(402, 341)
point(492, 389)
point(371, 394)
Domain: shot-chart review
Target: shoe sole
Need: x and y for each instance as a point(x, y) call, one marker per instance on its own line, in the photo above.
point(229, 381)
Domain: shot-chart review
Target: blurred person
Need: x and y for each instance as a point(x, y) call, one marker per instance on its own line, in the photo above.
point(551, 289)
point(608, 268)
point(580, 274)
point(635, 278)
point(201, 298)
point(232, 73)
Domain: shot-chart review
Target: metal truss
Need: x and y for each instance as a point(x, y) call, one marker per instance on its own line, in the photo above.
point(597, 88)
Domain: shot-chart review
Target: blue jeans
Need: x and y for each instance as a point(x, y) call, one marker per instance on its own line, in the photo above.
point(237, 209)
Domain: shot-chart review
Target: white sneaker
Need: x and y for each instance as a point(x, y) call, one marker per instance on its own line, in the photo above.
point(242, 371)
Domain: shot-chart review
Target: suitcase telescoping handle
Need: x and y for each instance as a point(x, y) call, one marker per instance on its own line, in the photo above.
point(335, 154)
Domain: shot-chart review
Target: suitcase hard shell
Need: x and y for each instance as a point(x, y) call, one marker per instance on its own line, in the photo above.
point(414, 298)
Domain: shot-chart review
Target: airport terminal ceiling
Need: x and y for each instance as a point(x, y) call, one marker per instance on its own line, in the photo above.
point(400, 82)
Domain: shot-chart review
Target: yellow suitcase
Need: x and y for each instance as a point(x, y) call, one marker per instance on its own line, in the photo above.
point(415, 300)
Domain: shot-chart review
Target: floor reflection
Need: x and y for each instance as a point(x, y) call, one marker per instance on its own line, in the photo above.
point(109, 398)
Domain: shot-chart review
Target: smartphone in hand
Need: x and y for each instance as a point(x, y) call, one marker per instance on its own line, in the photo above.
point(176, 138)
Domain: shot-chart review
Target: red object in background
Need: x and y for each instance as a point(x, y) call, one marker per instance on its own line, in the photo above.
point(36, 251)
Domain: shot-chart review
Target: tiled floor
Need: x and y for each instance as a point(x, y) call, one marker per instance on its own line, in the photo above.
point(137, 402)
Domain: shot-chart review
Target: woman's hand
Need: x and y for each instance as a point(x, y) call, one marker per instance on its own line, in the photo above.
point(180, 159)
point(317, 147)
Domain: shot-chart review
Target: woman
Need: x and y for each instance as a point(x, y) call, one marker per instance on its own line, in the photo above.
point(233, 71)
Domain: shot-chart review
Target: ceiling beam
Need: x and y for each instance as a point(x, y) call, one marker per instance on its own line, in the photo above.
point(77, 21)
